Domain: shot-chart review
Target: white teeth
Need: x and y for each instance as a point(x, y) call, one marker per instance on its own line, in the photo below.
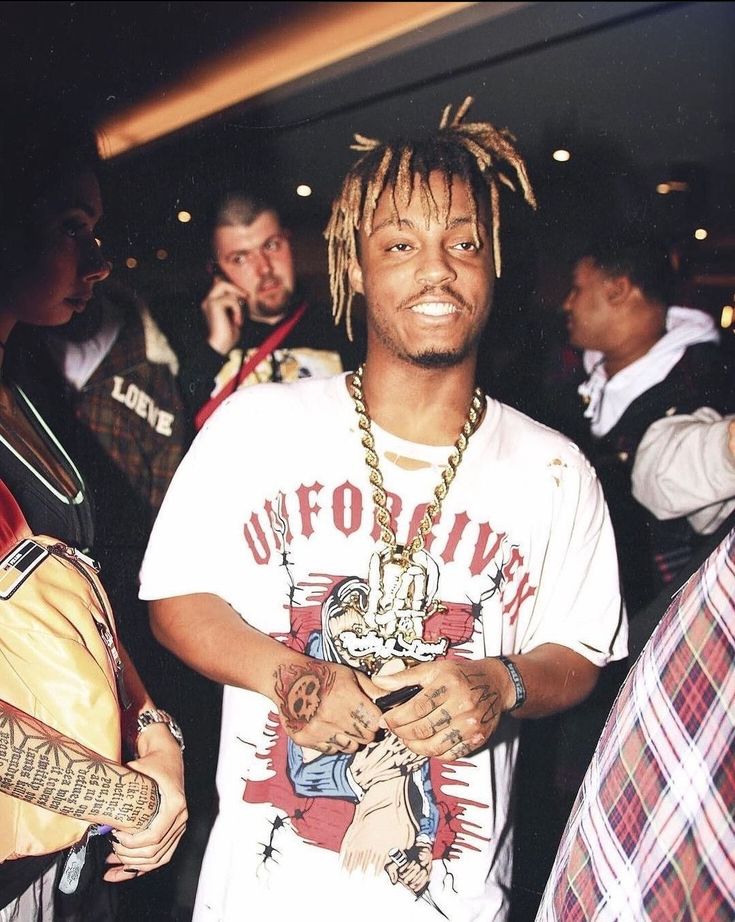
point(434, 308)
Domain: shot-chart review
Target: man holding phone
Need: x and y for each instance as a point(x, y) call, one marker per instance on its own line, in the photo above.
point(260, 327)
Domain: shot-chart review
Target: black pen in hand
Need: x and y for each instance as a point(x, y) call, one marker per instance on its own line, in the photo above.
point(399, 696)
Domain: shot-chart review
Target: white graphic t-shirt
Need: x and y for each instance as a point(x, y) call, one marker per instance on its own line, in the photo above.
point(272, 510)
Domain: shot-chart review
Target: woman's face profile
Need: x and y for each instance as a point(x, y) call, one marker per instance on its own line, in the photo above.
point(61, 261)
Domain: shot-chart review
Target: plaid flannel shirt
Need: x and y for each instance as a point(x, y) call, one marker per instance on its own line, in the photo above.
point(652, 832)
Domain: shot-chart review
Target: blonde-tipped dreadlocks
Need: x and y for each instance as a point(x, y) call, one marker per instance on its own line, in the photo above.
point(470, 152)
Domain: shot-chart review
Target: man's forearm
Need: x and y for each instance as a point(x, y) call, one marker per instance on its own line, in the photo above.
point(43, 767)
point(556, 678)
point(208, 635)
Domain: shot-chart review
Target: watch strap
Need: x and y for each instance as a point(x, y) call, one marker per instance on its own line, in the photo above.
point(158, 716)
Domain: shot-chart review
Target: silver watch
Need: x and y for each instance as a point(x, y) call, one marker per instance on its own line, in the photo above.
point(156, 716)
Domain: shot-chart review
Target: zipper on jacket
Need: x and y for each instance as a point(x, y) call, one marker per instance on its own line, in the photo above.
point(76, 557)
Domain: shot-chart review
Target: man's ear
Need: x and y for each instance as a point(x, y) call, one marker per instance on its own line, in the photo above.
point(618, 289)
point(355, 276)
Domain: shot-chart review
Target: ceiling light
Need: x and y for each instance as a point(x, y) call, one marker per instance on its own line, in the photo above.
point(317, 37)
point(161, 254)
point(561, 155)
point(700, 233)
point(673, 185)
point(184, 217)
point(131, 262)
point(303, 190)
point(726, 316)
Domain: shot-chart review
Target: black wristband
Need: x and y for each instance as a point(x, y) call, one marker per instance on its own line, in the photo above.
point(517, 682)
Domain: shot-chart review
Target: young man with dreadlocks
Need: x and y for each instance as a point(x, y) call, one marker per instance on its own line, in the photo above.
point(402, 564)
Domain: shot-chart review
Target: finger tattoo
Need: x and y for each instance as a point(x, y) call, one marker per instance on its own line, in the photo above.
point(361, 723)
point(443, 719)
point(453, 738)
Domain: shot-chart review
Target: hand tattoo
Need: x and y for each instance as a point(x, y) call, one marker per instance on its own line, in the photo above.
point(359, 716)
point(487, 697)
point(301, 690)
point(444, 718)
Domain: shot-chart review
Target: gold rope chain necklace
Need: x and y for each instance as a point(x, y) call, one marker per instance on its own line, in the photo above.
point(403, 555)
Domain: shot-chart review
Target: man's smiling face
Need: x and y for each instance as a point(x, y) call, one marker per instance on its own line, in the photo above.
point(428, 285)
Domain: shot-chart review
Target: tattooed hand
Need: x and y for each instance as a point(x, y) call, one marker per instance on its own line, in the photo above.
point(322, 706)
point(456, 712)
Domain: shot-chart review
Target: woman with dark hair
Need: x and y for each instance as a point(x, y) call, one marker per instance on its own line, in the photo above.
point(50, 261)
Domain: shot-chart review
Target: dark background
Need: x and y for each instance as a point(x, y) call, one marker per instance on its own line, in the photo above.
point(640, 93)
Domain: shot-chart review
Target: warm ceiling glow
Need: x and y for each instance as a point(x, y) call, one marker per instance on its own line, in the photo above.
point(726, 316)
point(561, 155)
point(131, 262)
point(673, 185)
point(315, 36)
point(700, 233)
point(303, 190)
point(184, 217)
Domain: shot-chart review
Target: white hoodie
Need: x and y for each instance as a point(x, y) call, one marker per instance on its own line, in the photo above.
point(609, 398)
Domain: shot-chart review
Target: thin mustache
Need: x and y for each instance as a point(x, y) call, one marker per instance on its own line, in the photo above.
point(444, 290)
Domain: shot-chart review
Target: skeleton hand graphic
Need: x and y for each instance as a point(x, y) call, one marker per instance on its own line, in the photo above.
point(400, 594)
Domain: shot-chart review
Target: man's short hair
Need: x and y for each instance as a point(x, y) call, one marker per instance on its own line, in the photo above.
point(235, 209)
point(645, 261)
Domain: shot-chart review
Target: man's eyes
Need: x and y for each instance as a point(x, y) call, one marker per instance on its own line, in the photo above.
point(463, 246)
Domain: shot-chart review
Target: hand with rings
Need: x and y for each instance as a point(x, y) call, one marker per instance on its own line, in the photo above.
point(455, 713)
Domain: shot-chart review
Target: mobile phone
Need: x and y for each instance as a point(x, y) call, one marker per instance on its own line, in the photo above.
point(399, 696)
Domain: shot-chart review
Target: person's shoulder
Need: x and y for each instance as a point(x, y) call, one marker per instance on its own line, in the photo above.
point(526, 439)
point(270, 400)
point(701, 376)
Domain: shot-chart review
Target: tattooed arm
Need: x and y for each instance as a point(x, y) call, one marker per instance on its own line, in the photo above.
point(322, 705)
point(45, 768)
point(143, 801)
point(461, 701)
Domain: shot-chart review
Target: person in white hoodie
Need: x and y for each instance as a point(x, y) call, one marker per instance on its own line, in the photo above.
point(640, 360)
point(644, 360)
point(685, 465)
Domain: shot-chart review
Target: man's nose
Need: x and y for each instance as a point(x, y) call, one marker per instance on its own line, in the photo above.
point(260, 261)
point(435, 268)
